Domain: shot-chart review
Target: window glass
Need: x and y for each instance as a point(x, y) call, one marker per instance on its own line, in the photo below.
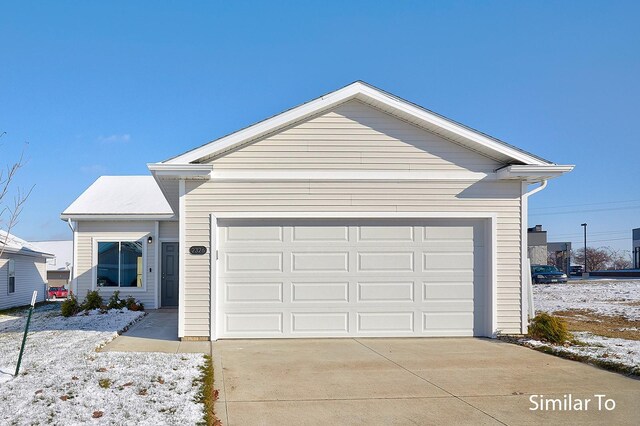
point(108, 272)
point(11, 276)
point(131, 264)
point(119, 264)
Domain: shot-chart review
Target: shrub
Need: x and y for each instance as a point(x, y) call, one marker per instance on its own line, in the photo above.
point(92, 301)
point(133, 304)
point(115, 302)
point(70, 306)
point(550, 328)
point(104, 383)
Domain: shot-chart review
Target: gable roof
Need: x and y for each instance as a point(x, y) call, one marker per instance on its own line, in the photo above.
point(387, 102)
point(9, 243)
point(120, 197)
point(62, 250)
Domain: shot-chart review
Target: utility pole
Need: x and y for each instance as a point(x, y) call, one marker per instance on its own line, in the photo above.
point(585, 273)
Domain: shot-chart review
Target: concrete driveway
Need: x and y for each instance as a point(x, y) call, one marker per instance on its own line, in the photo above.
point(408, 381)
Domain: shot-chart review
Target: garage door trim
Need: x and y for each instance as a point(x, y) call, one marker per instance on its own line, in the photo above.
point(490, 238)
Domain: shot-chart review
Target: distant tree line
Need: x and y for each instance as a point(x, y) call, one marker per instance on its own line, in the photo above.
point(601, 258)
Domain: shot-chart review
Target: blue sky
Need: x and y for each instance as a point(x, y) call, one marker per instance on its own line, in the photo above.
point(106, 88)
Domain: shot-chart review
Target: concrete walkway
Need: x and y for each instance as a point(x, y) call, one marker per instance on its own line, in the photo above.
point(156, 332)
point(408, 381)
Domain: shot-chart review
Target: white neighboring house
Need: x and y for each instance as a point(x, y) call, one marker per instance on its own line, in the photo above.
point(355, 214)
point(22, 270)
point(58, 267)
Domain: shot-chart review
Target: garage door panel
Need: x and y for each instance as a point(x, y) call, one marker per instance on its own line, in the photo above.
point(385, 233)
point(448, 322)
point(320, 322)
point(253, 233)
point(307, 292)
point(266, 323)
point(253, 292)
point(447, 260)
point(333, 278)
point(447, 290)
point(253, 262)
point(387, 292)
point(385, 261)
point(320, 233)
point(320, 262)
point(384, 322)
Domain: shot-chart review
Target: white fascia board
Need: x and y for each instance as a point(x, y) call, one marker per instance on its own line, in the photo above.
point(141, 216)
point(356, 90)
point(180, 171)
point(533, 173)
point(348, 175)
point(20, 252)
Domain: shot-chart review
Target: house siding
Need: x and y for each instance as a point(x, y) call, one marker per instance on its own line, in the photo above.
point(31, 274)
point(170, 230)
point(88, 232)
point(202, 199)
point(354, 136)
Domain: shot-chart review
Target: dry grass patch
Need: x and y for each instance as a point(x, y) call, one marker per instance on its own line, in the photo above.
point(601, 325)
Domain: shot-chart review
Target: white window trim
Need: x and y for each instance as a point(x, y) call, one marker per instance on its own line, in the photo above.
point(491, 233)
point(94, 263)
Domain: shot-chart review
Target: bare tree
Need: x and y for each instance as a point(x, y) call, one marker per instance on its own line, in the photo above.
point(12, 199)
point(597, 258)
point(620, 259)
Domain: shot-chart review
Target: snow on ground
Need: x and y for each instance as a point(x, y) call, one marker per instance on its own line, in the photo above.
point(610, 298)
point(64, 381)
point(623, 352)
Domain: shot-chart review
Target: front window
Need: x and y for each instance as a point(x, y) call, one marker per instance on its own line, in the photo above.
point(11, 276)
point(119, 264)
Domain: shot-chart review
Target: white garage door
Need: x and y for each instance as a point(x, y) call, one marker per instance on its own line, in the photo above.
point(336, 278)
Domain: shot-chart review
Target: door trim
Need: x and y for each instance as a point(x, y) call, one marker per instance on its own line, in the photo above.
point(491, 238)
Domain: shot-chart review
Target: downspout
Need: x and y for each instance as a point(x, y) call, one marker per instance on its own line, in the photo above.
point(528, 309)
point(72, 281)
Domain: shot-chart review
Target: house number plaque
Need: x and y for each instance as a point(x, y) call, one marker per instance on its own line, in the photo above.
point(198, 250)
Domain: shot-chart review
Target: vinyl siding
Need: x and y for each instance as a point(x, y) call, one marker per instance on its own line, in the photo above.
point(88, 232)
point(355, 136)
point(170, 230)
point(31, 273)
point(204, 198)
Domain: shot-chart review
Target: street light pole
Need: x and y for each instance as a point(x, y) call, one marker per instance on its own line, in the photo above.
point(584, 225)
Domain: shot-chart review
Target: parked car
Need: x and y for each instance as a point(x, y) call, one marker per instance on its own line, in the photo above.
point(576, 270)
point(545, 274)
point(58, 293)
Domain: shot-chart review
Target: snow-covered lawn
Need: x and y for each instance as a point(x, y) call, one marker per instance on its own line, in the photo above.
point(63, 380)
point(600, 301)
point(609, 298)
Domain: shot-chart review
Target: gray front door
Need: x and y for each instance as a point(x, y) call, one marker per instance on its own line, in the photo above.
point(169, 281)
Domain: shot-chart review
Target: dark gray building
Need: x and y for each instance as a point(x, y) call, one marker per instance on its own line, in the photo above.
point(635, 251)
point(537, 245)
point(560, 255)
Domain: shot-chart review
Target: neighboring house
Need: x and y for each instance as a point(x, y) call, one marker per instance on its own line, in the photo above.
point(560, 254)
point(59, 267)
point(537, 245)
point(22, 270)
point(355, 214)
point(635, 249)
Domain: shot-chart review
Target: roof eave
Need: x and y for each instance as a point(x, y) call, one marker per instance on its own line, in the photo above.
point(533, 173)
point(365, 92)
point(107, 216)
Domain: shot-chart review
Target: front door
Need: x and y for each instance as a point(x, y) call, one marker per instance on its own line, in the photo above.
point(169, 280)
